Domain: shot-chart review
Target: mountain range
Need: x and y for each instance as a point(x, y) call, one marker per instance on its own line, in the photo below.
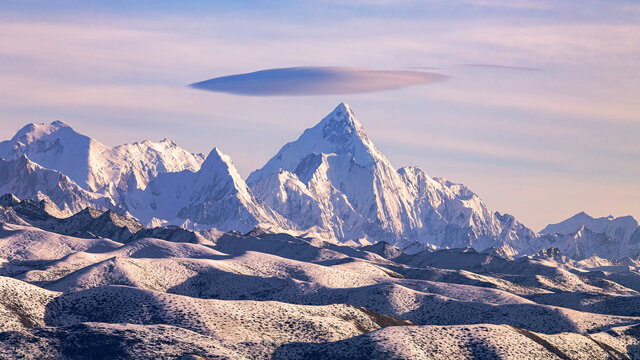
point(148, 251)
point(332, 183)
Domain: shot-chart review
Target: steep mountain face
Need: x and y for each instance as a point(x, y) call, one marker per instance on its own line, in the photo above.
point(585, 243)
point(94, 166)
point(334, 177)
point(621, 228)
point(215, 196)
point(28, 180)
point(582, 236)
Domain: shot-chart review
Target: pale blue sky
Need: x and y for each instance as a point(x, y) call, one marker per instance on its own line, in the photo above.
point(541, 145)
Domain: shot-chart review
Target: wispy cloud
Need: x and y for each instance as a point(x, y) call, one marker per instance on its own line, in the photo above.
point(502, 67)
point(510, 4)
point(310, 80)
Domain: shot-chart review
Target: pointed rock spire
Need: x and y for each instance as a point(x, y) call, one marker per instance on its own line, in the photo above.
point(337, 133)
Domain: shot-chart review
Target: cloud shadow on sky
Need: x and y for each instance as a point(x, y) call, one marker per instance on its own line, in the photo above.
point(307, 81)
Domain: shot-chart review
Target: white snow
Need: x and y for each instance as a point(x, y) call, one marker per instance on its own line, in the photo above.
point(331, 183)
point(94, 166)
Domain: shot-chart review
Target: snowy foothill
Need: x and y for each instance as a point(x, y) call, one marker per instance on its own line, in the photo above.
point(267, 295)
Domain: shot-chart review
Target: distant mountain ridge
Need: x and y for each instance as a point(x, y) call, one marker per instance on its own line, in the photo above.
point(332, 182)
point(581, 236)
point(624, 228)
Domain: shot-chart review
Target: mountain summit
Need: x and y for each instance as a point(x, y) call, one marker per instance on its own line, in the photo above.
point(55, 146)
point(338, 133)
point(94, 166)
point(334, 178)
point(27, 179)
point(214, 196)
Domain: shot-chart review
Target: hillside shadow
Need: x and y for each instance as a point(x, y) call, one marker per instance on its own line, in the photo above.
point(327, 351)
point(100, 342)
point(106, 304)
point(4, 233)
point(480, 350)
point(633, 350)
point(592, 302)
point(225, 284)
point(527, 316)
point(432, 309)
point(78, 342)
point(283, 245)
point(364, 347)
point(17, 267)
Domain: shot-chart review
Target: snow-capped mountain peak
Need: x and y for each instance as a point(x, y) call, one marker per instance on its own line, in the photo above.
point(219, 177)
point(341, 125)
point(337, 133)
point(618, 228)
point(336, 179)
point(343, 134)
point(55, 146)
point(32, 132)
point(217, 157)
point(94, 166)
point(214, 196)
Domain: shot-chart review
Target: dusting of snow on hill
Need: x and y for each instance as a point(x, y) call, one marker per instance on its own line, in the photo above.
point(267, 295)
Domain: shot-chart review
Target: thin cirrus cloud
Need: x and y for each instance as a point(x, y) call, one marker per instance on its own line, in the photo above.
point(504, 67)
point(311, 80)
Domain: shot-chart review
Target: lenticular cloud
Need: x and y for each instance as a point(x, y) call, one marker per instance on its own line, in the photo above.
point(305, 81)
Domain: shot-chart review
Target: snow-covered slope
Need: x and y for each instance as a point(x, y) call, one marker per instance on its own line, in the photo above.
point(22, 305)
point(582, 236)
point(620, 228)
point(214, 196)
point(28, 180)
point(24, 247)
point(94, 166)
point(334, 177)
